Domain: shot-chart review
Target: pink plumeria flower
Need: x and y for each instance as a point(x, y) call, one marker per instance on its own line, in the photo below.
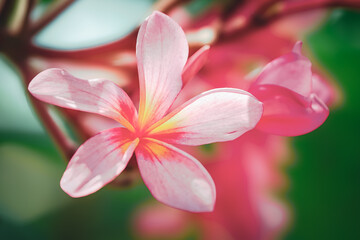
point(246, 175)
point(172, 176)
point(294, 99)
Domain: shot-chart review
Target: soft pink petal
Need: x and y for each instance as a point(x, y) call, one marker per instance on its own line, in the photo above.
point(195, 63)
point(98, 161)
point(324, 89)
point(275, 216)
point(297, 48)
point(246, 174)
point(174, 177)
point(158, 221)
point(217, 115)
point(291, 71)
point(93, 123)
point(287, 113)
point(58, 87)
point(161, 52)
point(298, 25)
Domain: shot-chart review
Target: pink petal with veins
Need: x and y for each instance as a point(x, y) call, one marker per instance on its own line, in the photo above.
point(287, 113)
point(98, 161)
point(215, 116)
point(161, 52)
point(174, 177)
point(58, 87)
point(195, 63)
point(94, 123)
point(291, 71)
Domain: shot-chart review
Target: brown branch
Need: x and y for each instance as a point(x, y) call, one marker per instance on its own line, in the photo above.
point(244, 15)
point(6, 10)
point(268, 13)
point(72, 116)
point(67, 148)
point(126, 43)
point(2, 4)
point(26, 18)
point(63, 143)
point(288, 8)
point(166, 6)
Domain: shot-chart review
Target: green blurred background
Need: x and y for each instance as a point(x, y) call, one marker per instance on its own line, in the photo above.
point(323, 179)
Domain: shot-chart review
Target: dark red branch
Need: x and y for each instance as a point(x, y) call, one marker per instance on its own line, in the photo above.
point(6, 9)
point(126, 43)
point(293, 7)
point(66, 147)
point(166, 6)
point(64, 144)
point(26, 18)
point(260, 15)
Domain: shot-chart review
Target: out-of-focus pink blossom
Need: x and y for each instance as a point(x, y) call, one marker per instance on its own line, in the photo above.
point(285, 87)
point(325, 90)
point(200, 30)
point(173, 176)
point(155, 221)
point(245, 173)
point(297, 25)
point(295, 100)
point(245, 177)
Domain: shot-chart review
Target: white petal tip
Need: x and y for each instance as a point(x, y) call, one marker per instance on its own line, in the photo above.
point(156, 14)
point(73, 191)
point(297, 47)
point(205, 47)
point(36, 86)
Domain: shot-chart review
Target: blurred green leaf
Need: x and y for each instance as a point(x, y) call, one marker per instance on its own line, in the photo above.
point(14, 109)
point(324, 191)
point(29, 184)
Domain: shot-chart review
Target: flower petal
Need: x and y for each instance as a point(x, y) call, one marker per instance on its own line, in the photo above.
point(161, 52)
point(98, 161)
point(324, 89)
point(195, 63)
point(291, 71)
point(214, 116)
point(58, 87)
point(174, 177)
point(287, 113)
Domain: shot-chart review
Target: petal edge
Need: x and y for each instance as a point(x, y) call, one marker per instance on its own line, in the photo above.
point(58, 87)
point(174, 177)
point(98, 161)
point(217, 115)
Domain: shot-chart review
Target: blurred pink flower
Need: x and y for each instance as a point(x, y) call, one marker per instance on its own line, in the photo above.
point(173, 177)
point(245, 173)
point(246, 176)
point(285, 87)
point(295, 99)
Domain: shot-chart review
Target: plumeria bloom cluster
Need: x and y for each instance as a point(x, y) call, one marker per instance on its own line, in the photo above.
point(172, 176)
point(295, 99)
point(244, 171)
point(245, 207)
